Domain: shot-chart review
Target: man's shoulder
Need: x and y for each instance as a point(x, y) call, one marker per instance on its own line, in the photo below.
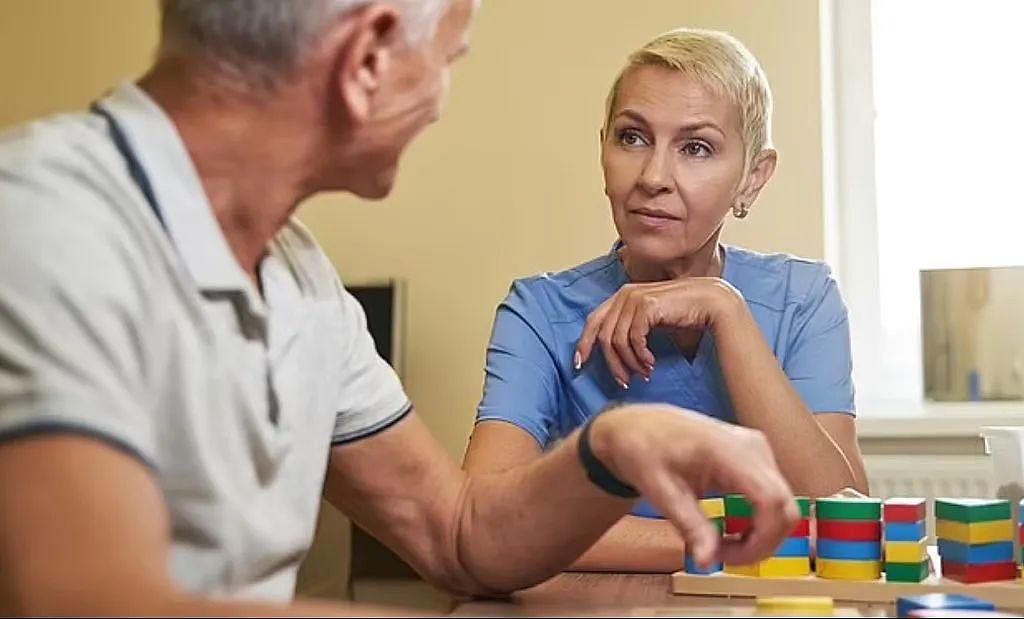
point(315, 272)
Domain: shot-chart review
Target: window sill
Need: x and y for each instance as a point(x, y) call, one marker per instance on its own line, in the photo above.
point(934, 419)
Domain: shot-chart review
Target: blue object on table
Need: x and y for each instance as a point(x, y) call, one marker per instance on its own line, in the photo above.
point(905, 531)
point(794, 547)
point(690, 567)
point(974, 554)
point(849, 551)
point(940, 601)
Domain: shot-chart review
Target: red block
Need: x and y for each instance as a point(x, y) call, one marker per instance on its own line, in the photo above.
point(981, 572)
point(903, 510)
point(737, 524)
point(850, 530)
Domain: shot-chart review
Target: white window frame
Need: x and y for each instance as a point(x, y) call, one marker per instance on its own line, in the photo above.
point(851, 239)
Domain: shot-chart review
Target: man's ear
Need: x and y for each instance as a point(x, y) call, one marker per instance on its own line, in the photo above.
point(760, 173)
point(363, 45)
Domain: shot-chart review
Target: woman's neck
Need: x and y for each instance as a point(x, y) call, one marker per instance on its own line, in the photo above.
point(708, 261)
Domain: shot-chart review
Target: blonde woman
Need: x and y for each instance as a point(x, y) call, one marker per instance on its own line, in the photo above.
point(671, 314)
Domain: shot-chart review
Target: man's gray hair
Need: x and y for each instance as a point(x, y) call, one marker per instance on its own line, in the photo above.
point(262, 40)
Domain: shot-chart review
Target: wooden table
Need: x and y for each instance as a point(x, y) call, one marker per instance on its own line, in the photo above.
point(591, 594)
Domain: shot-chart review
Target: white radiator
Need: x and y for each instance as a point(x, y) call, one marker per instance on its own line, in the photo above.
point(931, 477)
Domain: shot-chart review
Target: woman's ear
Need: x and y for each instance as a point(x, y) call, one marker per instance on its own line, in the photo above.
point(758, 176)
point(363, 45)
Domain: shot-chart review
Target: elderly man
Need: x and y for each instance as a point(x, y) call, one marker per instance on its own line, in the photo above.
point(182, 374)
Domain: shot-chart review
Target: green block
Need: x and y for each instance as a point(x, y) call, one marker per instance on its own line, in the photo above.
point(719, 525)
point(906, 572)
point(833, 508)
point(972, 510)
point(737, 505)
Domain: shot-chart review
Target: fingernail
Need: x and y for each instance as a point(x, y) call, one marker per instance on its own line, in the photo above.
point(577, 361)
point(647, 378)
point(624, 385)
point(650, 369)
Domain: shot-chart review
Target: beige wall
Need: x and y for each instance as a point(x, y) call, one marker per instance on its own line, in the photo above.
point(506, 185)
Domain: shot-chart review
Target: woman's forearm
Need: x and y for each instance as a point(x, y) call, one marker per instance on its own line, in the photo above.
point(763, 398)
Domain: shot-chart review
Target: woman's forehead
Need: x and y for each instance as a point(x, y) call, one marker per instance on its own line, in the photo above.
point(666, 96)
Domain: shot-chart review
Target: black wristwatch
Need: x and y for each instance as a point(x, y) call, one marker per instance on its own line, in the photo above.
point(597, 472)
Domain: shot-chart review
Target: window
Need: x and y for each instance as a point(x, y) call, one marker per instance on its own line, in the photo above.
point(928, 140)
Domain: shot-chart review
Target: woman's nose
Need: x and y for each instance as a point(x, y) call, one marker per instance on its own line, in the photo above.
point(656, 177)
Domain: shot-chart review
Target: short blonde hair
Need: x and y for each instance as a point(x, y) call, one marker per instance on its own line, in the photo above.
point(720, 62)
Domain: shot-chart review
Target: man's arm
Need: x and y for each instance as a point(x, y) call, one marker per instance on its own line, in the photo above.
point(84, 531)
point(494, 533)
point(632, 544)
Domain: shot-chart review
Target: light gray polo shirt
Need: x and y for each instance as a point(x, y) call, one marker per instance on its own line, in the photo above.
point(156, 342)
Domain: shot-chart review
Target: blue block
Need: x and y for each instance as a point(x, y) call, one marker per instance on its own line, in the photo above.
point(935, 601)
point(905, 531)
point(794, 547)
point(974, 554)
point(849, 551)
point(690, 567)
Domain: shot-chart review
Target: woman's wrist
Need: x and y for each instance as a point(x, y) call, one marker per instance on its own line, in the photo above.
point(727, 305)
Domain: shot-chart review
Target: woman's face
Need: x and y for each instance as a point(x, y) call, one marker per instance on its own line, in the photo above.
point(673, 159)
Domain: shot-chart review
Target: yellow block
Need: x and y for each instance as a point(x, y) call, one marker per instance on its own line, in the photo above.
point(906, 552)
point(775, 567)
point(849, 570)
point(975, 533)
point(796, 605)
point(713, 508)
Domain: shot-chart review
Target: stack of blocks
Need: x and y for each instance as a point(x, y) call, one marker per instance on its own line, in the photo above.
point(975, 539)
point(714, 510)
point(906, 540)
point(849, 538)
point(793, 557)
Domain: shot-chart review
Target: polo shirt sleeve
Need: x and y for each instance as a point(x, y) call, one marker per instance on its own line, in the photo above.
point(521, 383)
point(75, 328)
point(818, 361)
point(372, 397)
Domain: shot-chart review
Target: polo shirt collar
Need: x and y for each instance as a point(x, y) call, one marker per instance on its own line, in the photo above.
point(194, 231)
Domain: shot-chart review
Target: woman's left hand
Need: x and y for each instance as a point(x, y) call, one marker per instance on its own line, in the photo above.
point(622, 323)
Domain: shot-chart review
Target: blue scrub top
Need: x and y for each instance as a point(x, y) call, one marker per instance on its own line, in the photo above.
point(531, 383)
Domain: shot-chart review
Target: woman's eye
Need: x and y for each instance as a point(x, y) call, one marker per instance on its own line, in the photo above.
point(631, 137)
point(697, 149)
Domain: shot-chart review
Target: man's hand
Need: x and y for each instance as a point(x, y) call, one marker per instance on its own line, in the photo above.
point(673, 457)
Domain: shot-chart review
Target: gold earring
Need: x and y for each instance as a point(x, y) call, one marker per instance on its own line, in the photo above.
point(739, 211)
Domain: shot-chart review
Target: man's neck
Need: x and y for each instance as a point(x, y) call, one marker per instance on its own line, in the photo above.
point(254, 161)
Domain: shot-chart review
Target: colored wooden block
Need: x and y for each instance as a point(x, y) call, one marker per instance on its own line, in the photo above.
point(794, 547)
point(849, 551)
point(738, 505)
point(835, 508)
point(851, 530)
point(904, 510)
point(713, 508)
point(940, 600)
point(902, 531)
point(982, 572)
point(906, 572)
point(848, 570)
point(739, 525)
point(719, 525)
point(775, 567)
point(906, 552)
point(789, 605)
point(973, 554)
point(976, 533)
point(972, 510)
point(690, 567)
